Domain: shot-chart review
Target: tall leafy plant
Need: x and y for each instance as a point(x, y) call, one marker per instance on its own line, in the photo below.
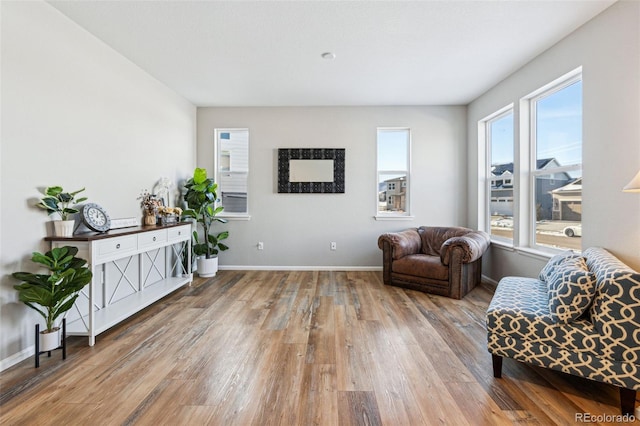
point(201, 198)
point(53, 294)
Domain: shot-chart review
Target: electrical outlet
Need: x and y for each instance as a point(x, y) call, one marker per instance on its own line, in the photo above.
point(333, 245)
point(260, 245)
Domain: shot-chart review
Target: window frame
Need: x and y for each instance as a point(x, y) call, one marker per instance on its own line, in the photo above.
point(486, 125)
point(219, 172)
point(524, 173)
point(533, 172)
point(406, 215)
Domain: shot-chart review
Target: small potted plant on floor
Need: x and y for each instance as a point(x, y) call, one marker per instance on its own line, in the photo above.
point(56, 200)
point(54, 293)
point(201, 198)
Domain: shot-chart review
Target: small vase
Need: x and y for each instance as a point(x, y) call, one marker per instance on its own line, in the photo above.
point(150, 219)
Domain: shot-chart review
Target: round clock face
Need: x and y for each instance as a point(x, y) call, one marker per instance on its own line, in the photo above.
point(95, 217)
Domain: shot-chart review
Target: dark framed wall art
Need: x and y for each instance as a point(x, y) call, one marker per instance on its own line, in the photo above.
point(311, 170)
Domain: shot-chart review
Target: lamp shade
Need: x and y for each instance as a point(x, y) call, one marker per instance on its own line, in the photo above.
point(634, 185)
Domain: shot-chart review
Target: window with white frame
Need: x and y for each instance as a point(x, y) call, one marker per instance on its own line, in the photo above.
point(556, 168)
point(393, 158)
point(500, 170)
point(533, 195)
point(232, 170)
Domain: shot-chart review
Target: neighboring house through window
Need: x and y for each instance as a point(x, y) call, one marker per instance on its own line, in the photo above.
point(499, 138)
point(232, 170)
point(394, 150)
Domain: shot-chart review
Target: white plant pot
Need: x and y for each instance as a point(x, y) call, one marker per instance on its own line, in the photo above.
point(207, 267)
point(49, 341)
point(63, 228)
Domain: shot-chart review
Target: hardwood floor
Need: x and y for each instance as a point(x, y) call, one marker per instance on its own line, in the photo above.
point(295, 348)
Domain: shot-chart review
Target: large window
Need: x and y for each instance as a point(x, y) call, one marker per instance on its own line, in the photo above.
point(394, 149)
point(232, 169)
point(533, 192)
point(556, 135)
point(500, 172)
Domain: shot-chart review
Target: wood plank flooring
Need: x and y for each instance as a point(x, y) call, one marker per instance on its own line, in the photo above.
point(295, 348)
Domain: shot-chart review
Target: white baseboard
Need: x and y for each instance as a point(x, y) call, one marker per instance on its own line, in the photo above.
point(489, 280)
point(298, 268)
point(18, 357)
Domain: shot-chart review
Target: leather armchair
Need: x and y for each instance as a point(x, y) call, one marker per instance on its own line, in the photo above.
point(439, 260)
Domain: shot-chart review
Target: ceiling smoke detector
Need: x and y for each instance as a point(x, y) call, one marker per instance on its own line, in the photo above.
point(328, 55)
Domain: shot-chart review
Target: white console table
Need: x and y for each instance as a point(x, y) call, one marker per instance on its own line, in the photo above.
point(132, 268)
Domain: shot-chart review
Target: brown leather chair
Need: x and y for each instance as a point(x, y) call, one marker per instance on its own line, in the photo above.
point(439, 260)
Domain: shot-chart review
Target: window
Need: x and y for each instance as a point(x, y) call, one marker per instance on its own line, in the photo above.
point(532, 179)
point(394, 150)
point(232, 170)
point(499, 137)
point(556, 170)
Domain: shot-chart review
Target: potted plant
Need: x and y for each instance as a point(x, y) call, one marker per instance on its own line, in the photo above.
point(201, 198)
point(150, 204)
point(56, 200)
point(53, 294)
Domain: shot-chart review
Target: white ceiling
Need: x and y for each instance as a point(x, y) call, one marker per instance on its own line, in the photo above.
point(268, 53)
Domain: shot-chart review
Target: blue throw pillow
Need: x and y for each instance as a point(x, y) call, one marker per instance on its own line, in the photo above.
point(555, 260)
point(571, 289)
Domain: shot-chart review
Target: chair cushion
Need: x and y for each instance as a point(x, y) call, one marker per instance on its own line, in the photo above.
point(571, 289)
point(520, 310)
point(434, 236)
point(421, 265)
point(551, 264)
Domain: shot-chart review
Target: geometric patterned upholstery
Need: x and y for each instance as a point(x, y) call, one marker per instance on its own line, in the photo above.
point(616, 306)
point(519, 310)
point(601, 345)
point(545, 273)
point(571, 289)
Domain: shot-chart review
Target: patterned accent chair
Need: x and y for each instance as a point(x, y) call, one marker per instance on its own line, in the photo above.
point(440, 260)
point(581, 316)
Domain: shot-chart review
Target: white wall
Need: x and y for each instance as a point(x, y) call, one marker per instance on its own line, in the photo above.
point(608, 49)
point(74, 113)
point(297, 228)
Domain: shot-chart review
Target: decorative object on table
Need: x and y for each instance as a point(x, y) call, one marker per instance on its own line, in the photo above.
point(162, 190)
point(149, 203)
point(95, 217)
point(201, 198)
point(53, 294)
point(169, 215)
point(124, 222)
point(57, 201)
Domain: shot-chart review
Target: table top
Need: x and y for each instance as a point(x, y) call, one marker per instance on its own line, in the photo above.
point(91, 236)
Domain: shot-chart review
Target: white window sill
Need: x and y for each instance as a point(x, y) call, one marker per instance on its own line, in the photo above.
point(504, 245)
point(235, 216)
point(390, 217)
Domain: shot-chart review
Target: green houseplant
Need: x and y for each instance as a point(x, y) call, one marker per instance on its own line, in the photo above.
point(54, 293)
point(201, 197)
point(56, 200)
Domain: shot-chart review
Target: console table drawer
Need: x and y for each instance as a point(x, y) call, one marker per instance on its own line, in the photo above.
point(115, 247)
point(180, 233)
point(150, 239)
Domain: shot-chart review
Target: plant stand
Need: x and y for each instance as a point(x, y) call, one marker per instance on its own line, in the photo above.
point(63, 346)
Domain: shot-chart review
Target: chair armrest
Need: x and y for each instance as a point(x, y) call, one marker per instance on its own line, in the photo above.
point(401, 243)
point(473, 246)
